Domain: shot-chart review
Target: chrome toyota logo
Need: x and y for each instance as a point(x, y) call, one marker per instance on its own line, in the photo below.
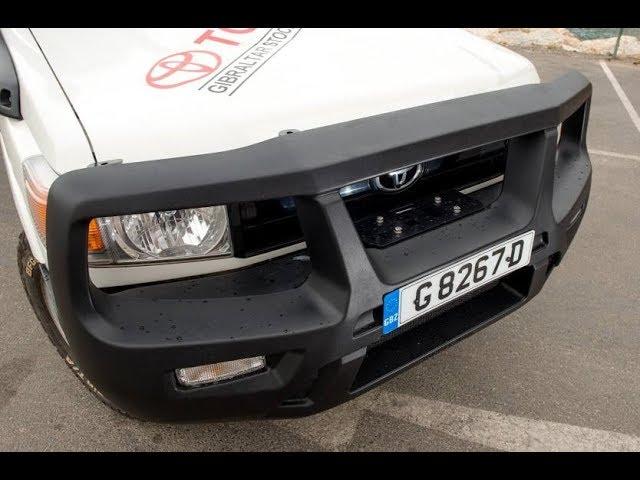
point(398, 179)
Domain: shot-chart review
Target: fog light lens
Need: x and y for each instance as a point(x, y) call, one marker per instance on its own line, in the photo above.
point(216, 372)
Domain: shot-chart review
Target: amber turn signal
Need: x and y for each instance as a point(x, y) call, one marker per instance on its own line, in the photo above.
point(38, 177)
point(94, 239)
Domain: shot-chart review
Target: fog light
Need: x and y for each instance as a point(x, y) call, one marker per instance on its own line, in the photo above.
point(216, 372)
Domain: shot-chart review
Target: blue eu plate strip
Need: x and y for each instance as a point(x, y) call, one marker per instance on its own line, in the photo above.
point(391, 311)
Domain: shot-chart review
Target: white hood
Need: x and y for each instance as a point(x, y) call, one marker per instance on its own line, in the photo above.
point(242, 86)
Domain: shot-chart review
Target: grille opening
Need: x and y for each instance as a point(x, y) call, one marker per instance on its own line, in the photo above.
point(435, 331)
point(459, 171)
point(266, 225)
point(258, 227)
point(450, 188)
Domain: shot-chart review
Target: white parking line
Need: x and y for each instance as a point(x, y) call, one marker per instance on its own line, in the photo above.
point(332, 429)
point(623, 96)
point(335, 428)
point(614, 154)
point(497, 430)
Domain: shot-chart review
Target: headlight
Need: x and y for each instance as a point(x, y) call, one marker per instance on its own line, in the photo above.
point(166, 235)
point(142, 237)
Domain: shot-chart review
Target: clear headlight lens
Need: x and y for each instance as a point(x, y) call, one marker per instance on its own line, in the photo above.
point(166, 235)
point(142, 237)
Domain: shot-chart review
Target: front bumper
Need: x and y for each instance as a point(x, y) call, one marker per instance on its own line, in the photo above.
point(322, 338)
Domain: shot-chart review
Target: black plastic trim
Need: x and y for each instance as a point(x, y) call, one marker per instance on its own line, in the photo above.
point(129, 345)
point(9, 87)
point(323, 159)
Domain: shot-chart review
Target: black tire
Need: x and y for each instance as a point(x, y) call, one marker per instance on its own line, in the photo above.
point(31, 275)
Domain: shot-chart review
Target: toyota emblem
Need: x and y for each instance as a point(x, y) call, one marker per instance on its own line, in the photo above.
point(398, 180)
point(184, 67)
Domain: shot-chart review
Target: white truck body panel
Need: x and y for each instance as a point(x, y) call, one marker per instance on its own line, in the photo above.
point(44, 106)
point(319, 77)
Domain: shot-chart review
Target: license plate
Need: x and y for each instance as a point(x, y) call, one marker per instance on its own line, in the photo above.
point(435, 289)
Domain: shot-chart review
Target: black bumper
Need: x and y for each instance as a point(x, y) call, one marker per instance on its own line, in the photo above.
point(323, 338)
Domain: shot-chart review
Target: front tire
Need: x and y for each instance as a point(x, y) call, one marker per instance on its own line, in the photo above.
point(34, 277)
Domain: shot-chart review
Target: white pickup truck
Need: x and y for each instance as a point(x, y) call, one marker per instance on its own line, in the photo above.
point(266, 222)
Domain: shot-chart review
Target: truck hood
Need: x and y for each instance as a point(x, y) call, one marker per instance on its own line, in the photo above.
point(158, 93)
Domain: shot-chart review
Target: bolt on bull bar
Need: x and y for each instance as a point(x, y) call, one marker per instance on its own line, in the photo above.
point(308, 332)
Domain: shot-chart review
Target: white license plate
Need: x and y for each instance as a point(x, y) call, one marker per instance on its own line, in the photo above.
point(435, 289)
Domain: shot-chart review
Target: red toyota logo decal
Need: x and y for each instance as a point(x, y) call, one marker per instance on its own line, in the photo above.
point(184, 67)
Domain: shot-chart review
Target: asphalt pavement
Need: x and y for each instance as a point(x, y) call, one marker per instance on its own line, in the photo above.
point(559, 374)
